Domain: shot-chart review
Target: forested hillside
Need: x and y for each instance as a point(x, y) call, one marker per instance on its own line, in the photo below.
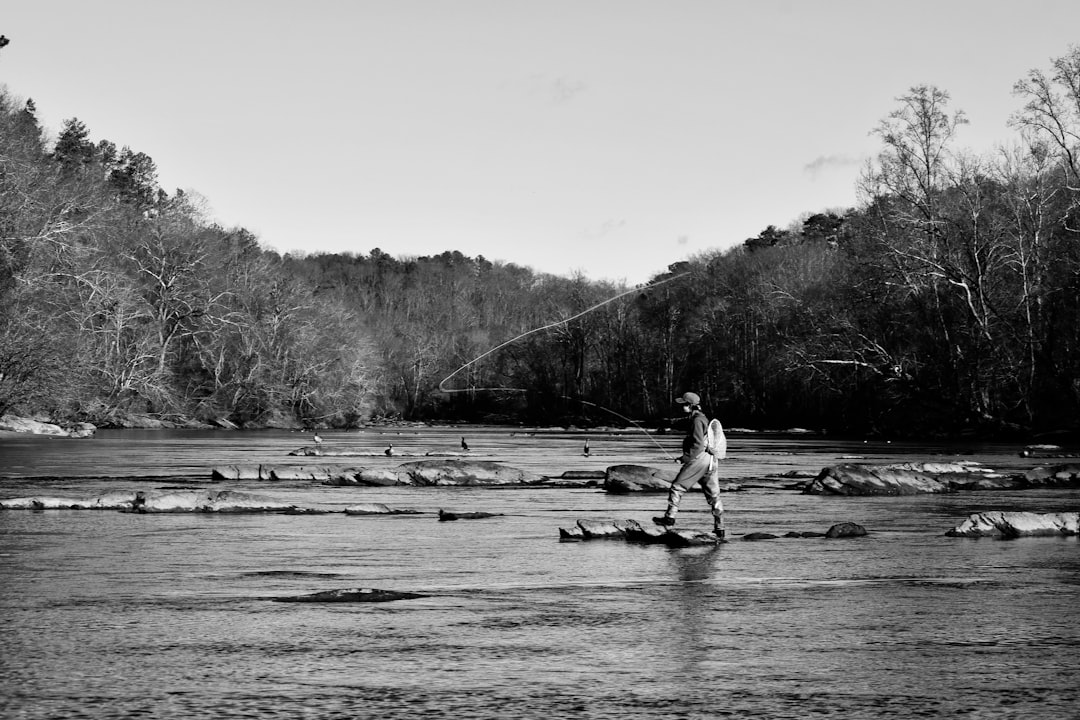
point(949, 301)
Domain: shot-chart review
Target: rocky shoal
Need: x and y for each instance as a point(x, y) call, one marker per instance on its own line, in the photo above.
point(1008, 525)
point(178, 501)
point(921, 478)
point(633, 531)
point(438, 472)
point(999, 524)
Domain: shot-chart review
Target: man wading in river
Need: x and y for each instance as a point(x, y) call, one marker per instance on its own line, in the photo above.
point(697, 460)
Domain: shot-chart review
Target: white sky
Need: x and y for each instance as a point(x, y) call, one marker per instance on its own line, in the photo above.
point(607, 137)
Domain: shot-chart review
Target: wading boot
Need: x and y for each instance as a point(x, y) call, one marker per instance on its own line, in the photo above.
point(664, 520)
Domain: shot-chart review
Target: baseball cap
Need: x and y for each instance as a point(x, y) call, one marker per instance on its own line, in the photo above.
point(689, 399)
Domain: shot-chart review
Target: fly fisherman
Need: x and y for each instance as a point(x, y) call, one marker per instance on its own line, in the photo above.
point(697, 462)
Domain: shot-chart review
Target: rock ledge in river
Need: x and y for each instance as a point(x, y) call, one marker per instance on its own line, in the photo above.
point(908, 479)
point(207, 501)
point(1017, 524)
point(633, 531)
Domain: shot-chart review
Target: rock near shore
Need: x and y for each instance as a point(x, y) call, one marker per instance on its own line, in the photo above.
point(11, 423)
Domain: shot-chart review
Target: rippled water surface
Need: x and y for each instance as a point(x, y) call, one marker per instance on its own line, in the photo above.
point(114, 615)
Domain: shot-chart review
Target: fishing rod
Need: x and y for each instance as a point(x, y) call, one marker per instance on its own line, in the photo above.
point(597, 306)
point(564, 321)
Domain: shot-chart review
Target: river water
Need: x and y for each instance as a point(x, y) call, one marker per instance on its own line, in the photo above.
point(114, 615)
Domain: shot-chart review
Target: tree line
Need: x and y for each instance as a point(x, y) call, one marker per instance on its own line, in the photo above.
point(948, 301)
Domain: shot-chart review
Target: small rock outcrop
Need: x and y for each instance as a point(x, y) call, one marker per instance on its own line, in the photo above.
point(1047, 451)
point(625, 479)
point(226, 501)
point(351, 595)
point(112, 500)
point(634, 531)
point(319, 473)
point(931, 477)
point(81, 430)
point(431, 472)
point(366, 477)
point(1066, 475)
point(153, 501)
point(906, 479)
point(378, 509)
point(463, 472)
point(845, 529)
point(622, 479)
point(12, 423)
point(1017, 524)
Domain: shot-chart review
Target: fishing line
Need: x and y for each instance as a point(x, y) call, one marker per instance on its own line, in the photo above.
point(511, 341)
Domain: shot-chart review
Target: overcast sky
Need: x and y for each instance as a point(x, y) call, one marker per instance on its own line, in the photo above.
point(606, 137)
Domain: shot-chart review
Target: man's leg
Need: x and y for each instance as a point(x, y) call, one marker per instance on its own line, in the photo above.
point(690, 473)
point(711, 485)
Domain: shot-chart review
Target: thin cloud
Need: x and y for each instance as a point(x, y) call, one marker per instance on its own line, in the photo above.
point(554, 90)
point(608, 227)
point(829, 162)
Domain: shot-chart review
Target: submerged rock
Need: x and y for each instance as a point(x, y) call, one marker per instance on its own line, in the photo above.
point(583, 475)
point(1017, 524)
point(445, 516)
point(351, 595)
point(760, 536)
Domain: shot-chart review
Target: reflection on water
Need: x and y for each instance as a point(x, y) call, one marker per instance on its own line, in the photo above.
point(107, 614)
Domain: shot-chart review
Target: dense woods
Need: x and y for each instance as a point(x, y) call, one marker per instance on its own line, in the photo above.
point(947, 302)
